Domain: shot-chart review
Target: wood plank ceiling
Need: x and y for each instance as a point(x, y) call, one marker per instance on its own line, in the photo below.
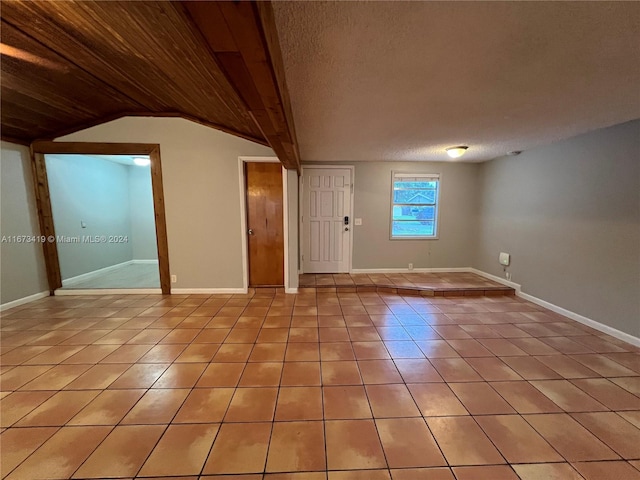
point(73, 64)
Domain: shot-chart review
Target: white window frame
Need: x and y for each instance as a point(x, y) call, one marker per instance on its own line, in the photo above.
point(427, 176)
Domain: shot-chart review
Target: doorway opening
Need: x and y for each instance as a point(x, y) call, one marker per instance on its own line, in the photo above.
point(103, 216)
point(101, 210)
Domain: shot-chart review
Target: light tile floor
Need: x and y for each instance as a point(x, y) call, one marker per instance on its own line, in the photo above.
point(136, 275)
point(315, 386)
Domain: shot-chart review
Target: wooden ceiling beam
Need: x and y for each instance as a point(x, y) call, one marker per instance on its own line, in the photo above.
point(243, 39)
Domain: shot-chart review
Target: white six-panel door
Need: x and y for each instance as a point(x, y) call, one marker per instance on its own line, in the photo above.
point(326, 202)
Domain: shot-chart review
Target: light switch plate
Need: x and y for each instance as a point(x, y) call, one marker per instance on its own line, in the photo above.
point(357, 221)
point(504, 259)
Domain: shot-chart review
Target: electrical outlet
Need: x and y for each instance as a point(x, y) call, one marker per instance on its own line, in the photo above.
point(411, 266)
point(508, 275)
point(174, 278)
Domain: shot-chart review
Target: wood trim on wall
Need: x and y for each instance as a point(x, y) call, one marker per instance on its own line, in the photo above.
point(43, 200)
point(45, 219)
point(161, 221)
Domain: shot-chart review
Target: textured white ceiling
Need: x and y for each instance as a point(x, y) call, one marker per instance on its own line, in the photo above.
point(403, 80)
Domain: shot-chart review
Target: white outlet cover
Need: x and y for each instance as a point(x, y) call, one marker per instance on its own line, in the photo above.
point(357, 221)
point(504, 259)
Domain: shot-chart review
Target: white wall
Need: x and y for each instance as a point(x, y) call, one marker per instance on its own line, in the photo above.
point(94, 191)
point(142, 217)
point(569, 214)
point(372, 247)
point(22, 271)
point(201, 189)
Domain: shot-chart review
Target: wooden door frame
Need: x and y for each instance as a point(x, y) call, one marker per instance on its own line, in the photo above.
point(43, 200)
point(243, 220)
point(301, 211)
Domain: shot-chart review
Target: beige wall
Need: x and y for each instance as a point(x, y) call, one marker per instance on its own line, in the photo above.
point(22, 271)
point(372, 248)
point(202, 194)
point(569, 214)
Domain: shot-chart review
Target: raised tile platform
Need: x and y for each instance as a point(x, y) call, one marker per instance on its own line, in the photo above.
point(446, 284)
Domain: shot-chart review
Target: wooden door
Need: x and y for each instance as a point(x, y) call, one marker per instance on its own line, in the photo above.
point(265, 228)
point(326, 232)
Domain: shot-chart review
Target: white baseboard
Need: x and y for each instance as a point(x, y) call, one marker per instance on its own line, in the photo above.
point(495, 278)
point(291, 290)
point(211, 291)
point(107, 291)
point(614, 332)
point(601, 327)
point(143, 262)
point(22, 301)
point(406, 270)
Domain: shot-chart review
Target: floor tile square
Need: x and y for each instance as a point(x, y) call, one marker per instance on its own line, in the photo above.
point(252, 405)
point(480, 399)
point(157, 406)
point(239, 448)
point(300, 374)
point(463, 442)
point(353, 445)
point(299, 403)
point(302, 352)
point(407, 442)
point(346, 402)
point(337, 351)
point(221, 375)
point(205, 405)
point(391, 401)
point(455, 370)
point(296, 446)
point(182, 450)
point(379, 372)
point(340, 373)
point(263, 374)
point(180, 375)
point(436, 400)
point(268, 352)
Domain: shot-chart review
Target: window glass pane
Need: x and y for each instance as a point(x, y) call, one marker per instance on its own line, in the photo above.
point(414, 184)
point(409, 212)
point(414, 196)
point(412, 229)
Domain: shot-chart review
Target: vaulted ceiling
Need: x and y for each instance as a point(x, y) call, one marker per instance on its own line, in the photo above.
point(72, 64)
point(387, 80)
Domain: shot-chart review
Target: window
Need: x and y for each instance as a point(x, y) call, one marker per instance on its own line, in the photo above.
point(414, 205)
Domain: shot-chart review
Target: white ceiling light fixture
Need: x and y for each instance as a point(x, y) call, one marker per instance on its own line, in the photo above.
point(455, 152)
point(142, 161)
